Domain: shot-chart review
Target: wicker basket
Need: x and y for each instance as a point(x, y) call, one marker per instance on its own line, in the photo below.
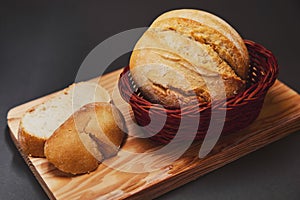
point(241, 110)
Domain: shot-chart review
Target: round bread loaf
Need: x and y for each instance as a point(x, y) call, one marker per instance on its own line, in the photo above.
point(189, 56)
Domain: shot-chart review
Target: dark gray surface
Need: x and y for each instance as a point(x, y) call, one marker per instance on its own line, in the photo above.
point(42, 44)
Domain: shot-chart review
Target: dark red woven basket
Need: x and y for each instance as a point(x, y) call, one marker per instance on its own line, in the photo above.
point(241, 110)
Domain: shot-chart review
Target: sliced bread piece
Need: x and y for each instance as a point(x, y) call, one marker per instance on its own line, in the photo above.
point(93, 133)
point(39, 122)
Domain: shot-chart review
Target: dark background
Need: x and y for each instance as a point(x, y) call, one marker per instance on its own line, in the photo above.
point(42, 44)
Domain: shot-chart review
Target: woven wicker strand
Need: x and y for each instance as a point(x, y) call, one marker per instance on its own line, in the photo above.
point(241, 110)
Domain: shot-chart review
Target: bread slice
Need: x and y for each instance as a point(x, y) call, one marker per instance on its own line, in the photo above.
point(39, 122)
point(93, 133)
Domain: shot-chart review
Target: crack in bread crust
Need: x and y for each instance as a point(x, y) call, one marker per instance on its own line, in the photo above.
point(200, 55)
point(211, 21)
point(203, 34)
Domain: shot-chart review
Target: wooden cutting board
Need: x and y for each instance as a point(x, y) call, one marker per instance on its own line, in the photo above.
point(279, 117)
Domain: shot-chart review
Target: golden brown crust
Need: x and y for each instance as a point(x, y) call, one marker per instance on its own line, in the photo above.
point(182, 58)
point(30, 144)
point(101, 122)
point(66, 151)
point(86, 138)
point(110, 118)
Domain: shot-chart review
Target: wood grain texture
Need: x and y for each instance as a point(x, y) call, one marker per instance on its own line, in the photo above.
point(279, 117)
